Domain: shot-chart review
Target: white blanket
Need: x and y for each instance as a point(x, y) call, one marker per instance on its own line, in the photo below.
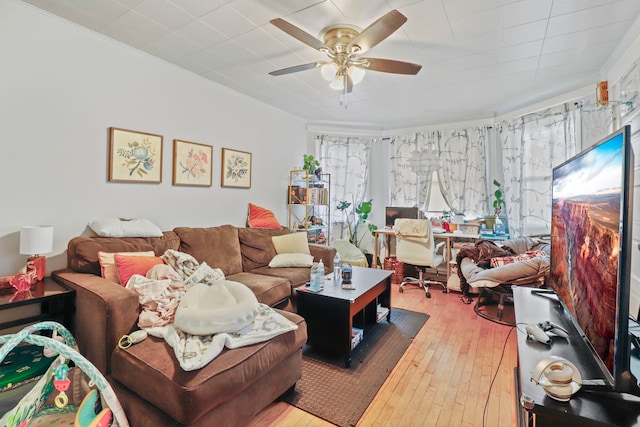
point(160, 294)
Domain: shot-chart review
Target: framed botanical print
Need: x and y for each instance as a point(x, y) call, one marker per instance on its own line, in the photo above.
point(235, 168)
point(192, 163)
point(134, 156)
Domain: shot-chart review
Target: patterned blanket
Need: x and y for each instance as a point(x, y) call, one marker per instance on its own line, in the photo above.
point(160, 292)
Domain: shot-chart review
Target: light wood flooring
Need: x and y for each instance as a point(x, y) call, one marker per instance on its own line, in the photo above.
point(443, 378)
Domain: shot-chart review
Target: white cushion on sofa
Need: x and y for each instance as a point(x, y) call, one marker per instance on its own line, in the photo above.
point(223, 306)
point(125, 227)
point(293, 243)
point(291, 260)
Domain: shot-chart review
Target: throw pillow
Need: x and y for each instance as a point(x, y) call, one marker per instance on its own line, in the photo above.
point(108, 268)
point(125, 227)
point(292, 243)
point(130, 265)
point(291, 260)
point(499, 261)
point(261, 218)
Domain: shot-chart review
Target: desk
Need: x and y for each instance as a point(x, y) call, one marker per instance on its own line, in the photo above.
point(447, 237)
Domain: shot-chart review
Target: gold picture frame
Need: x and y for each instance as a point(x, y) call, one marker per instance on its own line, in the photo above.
point(235, 168)
point(192, 164)
point(134, 156)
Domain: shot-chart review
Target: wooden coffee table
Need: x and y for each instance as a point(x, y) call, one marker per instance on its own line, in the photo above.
point(332, 313)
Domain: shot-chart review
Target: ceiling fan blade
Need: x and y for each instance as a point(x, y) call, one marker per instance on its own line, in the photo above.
point(300, 34)
point(390, 66)
point(296, 68)
point(378, 31)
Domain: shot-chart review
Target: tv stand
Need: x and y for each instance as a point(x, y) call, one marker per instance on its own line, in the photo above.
point(596, 404)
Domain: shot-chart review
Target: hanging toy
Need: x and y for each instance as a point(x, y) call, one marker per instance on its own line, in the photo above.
point(61, 382)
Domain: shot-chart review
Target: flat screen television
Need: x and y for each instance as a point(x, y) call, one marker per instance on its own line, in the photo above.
point(392, 213)
point(592, 212)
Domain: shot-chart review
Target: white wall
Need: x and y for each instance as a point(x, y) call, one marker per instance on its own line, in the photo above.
point(62, 87)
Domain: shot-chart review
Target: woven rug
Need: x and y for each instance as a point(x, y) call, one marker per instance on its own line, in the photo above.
point(341, 395)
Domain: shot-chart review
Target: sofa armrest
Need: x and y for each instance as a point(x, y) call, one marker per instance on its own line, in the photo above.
point(104, 312)
point(324, 252)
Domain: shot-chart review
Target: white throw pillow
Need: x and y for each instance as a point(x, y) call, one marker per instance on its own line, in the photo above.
point(293, 243)
point(125, 227)
point(291, 260)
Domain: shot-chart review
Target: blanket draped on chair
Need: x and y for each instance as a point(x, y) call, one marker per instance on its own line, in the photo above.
point(475, 261)
point(414, 230)
point(481, 253)
point(160, 293)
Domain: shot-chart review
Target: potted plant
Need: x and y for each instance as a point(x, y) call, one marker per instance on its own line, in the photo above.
point(310, 163)
point(498, 203)
point(452, 218)
point(355, 216)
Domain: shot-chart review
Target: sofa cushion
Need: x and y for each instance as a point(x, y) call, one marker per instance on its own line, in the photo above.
point(82, 251)
point(291, 260)
point(151, 365)
point(130, 265)
point(125, 227)
point(269, 289)
point(293, 243)
point(108, 267)
point(218, 246)
point(260, 217)
point(296, 276)
point(256, 246)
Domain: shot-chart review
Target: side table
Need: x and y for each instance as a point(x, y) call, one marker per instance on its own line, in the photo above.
point(56, 302)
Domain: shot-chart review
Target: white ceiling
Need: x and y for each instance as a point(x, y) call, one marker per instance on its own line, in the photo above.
point(480, 58)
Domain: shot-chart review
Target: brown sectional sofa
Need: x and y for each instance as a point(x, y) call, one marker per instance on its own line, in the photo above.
point(147, 378)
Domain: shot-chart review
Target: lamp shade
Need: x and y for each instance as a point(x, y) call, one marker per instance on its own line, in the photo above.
point(357, 74)
point(36, 239)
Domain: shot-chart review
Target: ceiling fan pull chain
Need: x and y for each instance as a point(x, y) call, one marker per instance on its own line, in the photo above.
point(343, 92)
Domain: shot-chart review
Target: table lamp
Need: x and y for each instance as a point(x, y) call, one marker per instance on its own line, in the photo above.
point(36, 240)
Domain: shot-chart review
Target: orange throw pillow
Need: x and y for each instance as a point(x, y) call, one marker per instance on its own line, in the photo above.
point(130, 265)
point(108, 267)
point(262, 218)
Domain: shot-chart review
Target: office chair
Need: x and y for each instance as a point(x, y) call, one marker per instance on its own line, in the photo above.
point(415, 246)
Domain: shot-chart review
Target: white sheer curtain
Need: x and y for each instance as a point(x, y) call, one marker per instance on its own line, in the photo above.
point(347, 159)
point(532, 145)
point(458, 156)
point(462, 170)
point(414, 157)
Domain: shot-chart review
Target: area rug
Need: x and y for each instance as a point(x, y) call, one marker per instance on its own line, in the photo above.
point(341, 395)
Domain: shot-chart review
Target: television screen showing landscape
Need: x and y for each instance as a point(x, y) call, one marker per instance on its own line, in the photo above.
point(585, 230)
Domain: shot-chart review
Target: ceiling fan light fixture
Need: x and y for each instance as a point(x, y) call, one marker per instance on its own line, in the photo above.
point(357, 74)
point(337, 83)
point(328, 71)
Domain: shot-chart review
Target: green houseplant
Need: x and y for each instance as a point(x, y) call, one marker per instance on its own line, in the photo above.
point(355, 216)
point(498, 203)
point(310, 163)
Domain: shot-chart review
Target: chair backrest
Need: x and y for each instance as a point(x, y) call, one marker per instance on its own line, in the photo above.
point(414, 242)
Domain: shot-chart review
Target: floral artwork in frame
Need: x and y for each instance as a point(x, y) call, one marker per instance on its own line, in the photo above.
point(134, 156)
point(236, 168)
point(192, 163)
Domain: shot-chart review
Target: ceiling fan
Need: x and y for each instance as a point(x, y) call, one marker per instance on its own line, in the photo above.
point(344, 44)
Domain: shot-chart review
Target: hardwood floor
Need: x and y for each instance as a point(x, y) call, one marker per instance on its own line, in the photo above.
point(443, 379)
